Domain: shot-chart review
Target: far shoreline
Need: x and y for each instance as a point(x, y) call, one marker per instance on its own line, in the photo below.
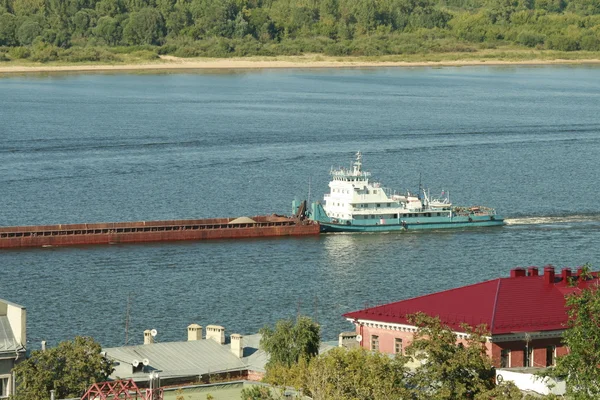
point(169, 63)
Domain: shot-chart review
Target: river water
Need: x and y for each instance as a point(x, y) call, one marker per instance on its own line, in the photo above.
point(114, 147)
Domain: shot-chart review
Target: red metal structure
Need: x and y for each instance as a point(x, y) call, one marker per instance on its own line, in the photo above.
point(154, 231)
point(122, 389)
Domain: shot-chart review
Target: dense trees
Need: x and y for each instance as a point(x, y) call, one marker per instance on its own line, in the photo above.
point(446, 369)
point(579, 367)
point(68, 369)
point(270, 27)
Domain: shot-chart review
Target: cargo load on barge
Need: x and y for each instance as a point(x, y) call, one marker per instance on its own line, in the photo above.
point(158, 231)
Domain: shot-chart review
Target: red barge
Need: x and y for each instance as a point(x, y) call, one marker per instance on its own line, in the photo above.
point(157, 231)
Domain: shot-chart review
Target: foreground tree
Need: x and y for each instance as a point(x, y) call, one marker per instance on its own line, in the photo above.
point(68, 369)
point(580, 367)
point(291, 341)
point(356, 374)
point(449, 370)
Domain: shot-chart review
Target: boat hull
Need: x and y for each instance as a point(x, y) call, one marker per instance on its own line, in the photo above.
point(152, 231)
point(455, 223)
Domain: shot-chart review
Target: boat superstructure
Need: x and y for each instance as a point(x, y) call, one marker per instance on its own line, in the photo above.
point(356, 203)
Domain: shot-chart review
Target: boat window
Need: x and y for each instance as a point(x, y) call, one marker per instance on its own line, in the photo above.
point(438, 214)
point(374, 191)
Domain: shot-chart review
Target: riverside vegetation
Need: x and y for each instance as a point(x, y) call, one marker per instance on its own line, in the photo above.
point(116, 31)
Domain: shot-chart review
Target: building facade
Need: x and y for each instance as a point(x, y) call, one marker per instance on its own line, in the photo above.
point(12, 343)
point(524, 314)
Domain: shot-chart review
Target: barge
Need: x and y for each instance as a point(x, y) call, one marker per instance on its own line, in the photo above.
point(157, 231)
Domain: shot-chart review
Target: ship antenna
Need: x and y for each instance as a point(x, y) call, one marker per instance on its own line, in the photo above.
point(308, 196)
point(420, 185)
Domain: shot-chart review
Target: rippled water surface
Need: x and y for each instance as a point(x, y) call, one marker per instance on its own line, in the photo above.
point(113, 147)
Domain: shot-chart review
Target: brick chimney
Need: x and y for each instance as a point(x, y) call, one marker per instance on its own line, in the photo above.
point(148, 338)
point(216, 333)
point(517, 272)
point(566, 275)
point(532, 271)
point(549, 274)
point(194, 332)
point(236, 345)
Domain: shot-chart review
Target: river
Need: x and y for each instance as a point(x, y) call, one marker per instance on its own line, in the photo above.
point(123, 146)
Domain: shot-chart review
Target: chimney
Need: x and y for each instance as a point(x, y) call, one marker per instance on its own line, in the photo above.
point(532, 271)
point(236, 345)
point(194, 332)
point(566, 275)
point(548, 274)
point(517, 272)
point(216, 333)
point(148, 338)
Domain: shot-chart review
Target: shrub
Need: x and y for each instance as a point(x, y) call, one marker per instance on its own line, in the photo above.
point(530, 39)
point(590, 43)
point(562, 43)
point(19, 53)
point(145, 55)
point(3, 57)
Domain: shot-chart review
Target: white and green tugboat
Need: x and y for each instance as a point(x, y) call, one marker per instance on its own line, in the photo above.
point(355, 204)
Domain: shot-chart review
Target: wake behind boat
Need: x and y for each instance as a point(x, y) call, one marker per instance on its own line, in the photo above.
point(355, 204)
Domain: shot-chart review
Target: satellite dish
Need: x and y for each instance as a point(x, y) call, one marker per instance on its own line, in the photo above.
point(146, 362)
point(135, 363)
point(359, 338)
point(153, 332)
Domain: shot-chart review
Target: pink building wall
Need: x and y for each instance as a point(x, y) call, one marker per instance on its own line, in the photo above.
point(387, 334)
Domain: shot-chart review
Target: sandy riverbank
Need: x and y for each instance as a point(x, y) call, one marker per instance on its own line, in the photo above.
point(173, 63)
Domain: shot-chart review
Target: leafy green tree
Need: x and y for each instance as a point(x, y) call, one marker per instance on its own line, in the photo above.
point(356, 374)
point(289, 341)
point(256, 392)
point(8, 30)
point(449, 370)
point(109, 30)
point(144, 27)
point(68, 369)
point(579, 367)
point(28, 31)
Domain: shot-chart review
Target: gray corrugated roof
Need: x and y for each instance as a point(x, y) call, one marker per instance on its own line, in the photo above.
point(7, 339)
point(184, 358)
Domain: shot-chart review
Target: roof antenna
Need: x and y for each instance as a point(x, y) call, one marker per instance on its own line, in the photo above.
point(127, 319)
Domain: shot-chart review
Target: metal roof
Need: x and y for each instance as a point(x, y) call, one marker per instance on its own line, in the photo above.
point(505, 305)
point(8, 343)
point(178, 359)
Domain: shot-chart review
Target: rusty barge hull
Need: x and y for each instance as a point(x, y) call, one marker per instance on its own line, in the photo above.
point(153, 231)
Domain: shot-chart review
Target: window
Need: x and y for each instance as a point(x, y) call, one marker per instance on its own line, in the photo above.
point(527, 356)
point(4, 387)
point(398, 346)
point(550, 356)
point(504, 358)
point(374, 342)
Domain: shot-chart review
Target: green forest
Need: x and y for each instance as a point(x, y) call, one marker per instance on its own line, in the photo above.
point(101, 30)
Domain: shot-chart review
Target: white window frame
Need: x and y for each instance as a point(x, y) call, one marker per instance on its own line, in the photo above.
point(8, 386)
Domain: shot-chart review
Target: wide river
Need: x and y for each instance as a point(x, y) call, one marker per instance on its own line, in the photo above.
point(115, 147)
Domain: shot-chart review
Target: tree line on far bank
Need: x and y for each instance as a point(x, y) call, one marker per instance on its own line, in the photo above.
point(92, 30)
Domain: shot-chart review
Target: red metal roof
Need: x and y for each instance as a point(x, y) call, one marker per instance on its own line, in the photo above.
point(505, 305)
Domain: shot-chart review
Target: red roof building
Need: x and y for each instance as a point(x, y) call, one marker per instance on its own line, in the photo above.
point(525, 315)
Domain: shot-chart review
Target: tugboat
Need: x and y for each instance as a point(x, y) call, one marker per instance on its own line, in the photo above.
point(356, 204)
